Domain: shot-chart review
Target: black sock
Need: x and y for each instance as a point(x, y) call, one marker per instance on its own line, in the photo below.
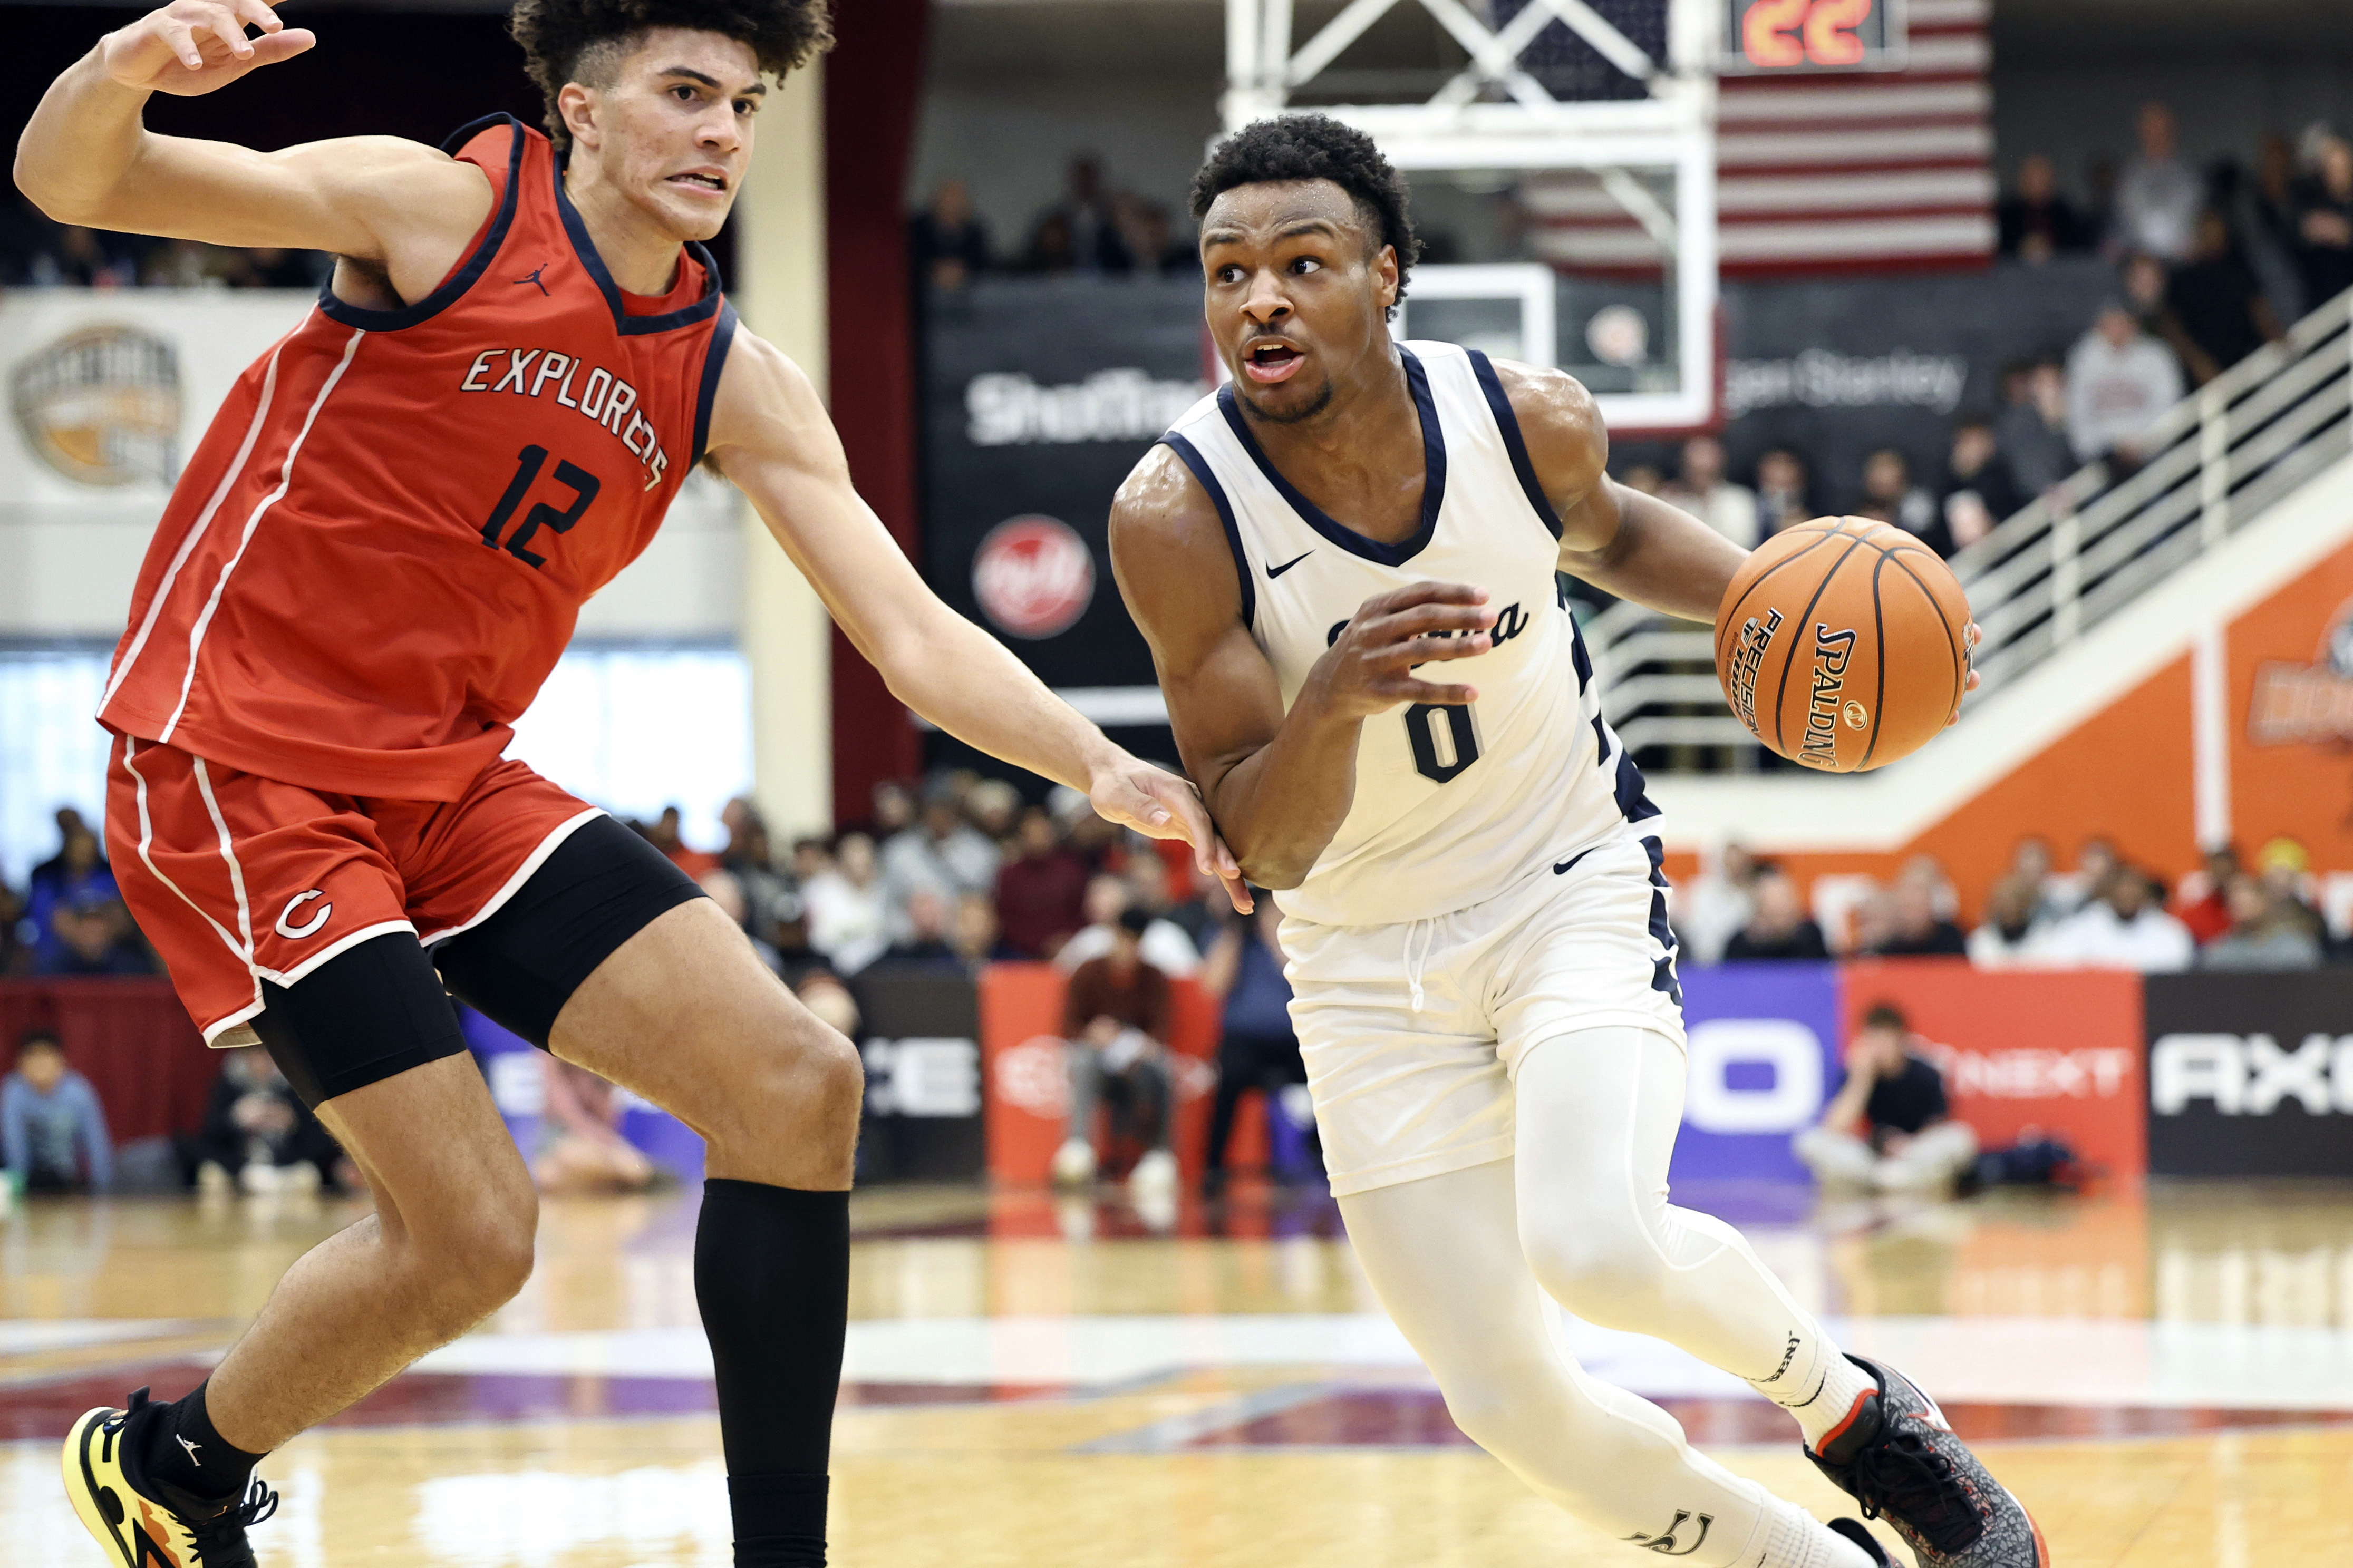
point(772, 1277)
point(177, 1446)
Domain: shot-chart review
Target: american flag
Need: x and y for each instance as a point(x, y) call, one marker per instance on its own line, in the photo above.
point(1870, 170)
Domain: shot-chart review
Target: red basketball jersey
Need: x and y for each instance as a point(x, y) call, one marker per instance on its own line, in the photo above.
point(379, 549)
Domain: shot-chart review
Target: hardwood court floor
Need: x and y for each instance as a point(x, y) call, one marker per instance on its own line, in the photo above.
point(2166, 1380)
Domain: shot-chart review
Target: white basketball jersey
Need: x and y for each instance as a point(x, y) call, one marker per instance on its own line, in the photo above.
point(1452, 805)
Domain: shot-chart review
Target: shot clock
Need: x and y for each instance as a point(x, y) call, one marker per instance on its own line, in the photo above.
point(1769, 38)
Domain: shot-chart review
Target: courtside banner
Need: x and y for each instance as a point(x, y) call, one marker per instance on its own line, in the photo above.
point(2251, 1075)
point(2025, 1053)
point(920, 1035)
point(1763, 1056)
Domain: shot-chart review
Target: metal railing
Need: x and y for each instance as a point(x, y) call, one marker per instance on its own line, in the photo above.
point(2051, 574)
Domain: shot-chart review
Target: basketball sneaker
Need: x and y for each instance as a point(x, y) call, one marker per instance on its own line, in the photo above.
point(1895, 1455)
point(1853, 1531)
point(153, 1526)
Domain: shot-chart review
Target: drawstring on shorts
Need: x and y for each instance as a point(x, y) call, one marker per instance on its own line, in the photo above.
point(1419, 938)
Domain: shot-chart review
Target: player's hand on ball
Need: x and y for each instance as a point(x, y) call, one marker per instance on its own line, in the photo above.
point(192, 47)
point(1159, 804)
point(1370, 667)
point(1976, 635)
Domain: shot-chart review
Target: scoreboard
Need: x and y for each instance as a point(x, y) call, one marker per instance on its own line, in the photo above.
point(1774, 38)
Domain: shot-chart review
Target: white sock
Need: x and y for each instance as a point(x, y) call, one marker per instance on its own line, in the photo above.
point(1795, 1539)
point(1834, 1390)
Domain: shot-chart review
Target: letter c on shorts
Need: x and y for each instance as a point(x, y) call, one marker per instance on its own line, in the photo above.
point(310, 927)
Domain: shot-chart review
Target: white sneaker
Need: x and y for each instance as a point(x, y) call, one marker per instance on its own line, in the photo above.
point(1074, 1162)
point(1155, 1174)
point(212, 1176)
point(258, 1176)
point(298, 1177)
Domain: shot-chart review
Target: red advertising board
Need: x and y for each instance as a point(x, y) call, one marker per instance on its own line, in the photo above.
point(1028, 1097)
point(2025, 1051)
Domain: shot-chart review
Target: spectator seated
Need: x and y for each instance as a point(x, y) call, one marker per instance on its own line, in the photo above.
point(257, 1134)
point(1116, 1023)
point(52, 1127)
point(1888, 1129)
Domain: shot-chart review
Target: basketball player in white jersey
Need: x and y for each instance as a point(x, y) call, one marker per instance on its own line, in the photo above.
point(1476, 924)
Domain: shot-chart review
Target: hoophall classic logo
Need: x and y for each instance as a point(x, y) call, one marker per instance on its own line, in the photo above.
point(1828, 705)
point(2301, 704)
point(101, 405)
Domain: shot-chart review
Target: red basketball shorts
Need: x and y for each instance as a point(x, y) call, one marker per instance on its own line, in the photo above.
point(238, 878)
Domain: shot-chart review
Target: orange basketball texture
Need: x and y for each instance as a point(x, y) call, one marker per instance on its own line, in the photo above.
point(1842, 644)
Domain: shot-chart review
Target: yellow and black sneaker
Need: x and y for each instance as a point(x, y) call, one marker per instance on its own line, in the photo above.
point(174, 1529)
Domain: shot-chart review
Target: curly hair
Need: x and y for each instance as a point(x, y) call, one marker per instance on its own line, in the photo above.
point(585, 40)
point(1316, 147)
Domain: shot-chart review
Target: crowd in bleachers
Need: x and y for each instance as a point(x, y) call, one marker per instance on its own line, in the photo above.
point(1090, 229)
point(953, 871)
point(38, 253)
point(2100, 913)
point(2209, 267)
point(68, 918)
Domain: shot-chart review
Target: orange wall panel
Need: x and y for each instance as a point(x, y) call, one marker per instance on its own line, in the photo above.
point(2126, 774)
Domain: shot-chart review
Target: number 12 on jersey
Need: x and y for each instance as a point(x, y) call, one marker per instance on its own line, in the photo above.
point(528, 462)
point(1444, 738)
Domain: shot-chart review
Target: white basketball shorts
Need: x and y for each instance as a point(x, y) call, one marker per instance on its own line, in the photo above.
point(1411, 1033)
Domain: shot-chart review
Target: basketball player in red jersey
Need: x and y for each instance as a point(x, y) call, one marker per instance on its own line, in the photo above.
point(372, 562)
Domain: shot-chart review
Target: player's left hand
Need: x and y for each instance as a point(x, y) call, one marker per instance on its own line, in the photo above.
point(1159, 804)
point(1976, 635)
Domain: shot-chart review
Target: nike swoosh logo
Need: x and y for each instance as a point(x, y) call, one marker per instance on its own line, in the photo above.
point(1560, 868)
point(1274, 572)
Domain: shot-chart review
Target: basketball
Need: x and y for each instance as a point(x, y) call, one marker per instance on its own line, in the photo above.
point(1843, 644)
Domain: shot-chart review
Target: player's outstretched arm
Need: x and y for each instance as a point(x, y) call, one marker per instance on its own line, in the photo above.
point(1279, 783)
point(85, 157)
point(770, 435)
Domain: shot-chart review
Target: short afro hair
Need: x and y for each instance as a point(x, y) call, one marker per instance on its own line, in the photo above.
point(559, 38)
point(1316, 147)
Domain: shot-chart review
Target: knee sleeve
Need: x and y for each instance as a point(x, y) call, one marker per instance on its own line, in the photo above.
point(1600, 1268)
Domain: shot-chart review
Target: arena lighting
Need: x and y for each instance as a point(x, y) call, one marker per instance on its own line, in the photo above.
point(1497, 120)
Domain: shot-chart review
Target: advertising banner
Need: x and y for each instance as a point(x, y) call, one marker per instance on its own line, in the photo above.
point(921, 1037)
point(2251, 1075)
point(2025, 1053)
point(109, 391)
point(1038, 396)
point(1837, 369)
point(1763, 1055)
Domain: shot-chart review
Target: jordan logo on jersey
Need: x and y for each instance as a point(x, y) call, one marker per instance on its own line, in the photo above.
point(604, 396)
